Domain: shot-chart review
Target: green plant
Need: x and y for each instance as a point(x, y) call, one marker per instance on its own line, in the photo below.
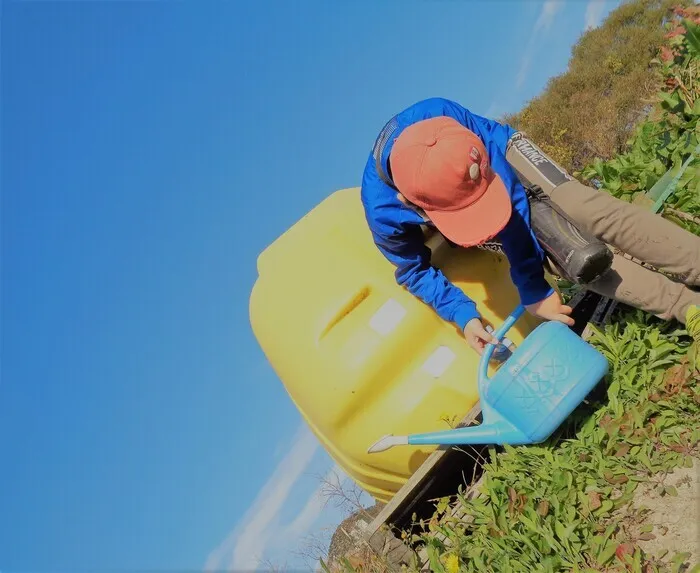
point(551, 507)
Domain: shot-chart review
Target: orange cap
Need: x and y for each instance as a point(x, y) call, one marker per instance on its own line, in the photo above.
point(443, 168)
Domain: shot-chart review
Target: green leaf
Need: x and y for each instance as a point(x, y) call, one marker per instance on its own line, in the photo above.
point(637, 417)
point(644, 458)
point(560, 530)
point(678, 561)
point(435, 563)
point(671, 102)
point(692, 37)
point(607, 552)
point(696, 108)
point(605, 507)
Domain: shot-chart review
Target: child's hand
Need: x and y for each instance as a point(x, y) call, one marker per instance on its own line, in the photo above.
point(551, 308)
point(477, 336)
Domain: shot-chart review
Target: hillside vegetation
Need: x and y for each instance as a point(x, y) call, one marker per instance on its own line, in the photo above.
point(667, 140)
point(590, 111)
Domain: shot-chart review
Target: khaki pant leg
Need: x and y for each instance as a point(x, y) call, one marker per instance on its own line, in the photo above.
point(645, 289)
point(628, 229)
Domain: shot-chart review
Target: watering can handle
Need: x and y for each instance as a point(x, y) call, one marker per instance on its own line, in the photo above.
point(498, 334)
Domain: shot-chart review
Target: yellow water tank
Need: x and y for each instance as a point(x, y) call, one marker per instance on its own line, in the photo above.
point(359, 355)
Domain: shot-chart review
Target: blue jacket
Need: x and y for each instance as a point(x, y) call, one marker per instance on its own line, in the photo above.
point(396, 228)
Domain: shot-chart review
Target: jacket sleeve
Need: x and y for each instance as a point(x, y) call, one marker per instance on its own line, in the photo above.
point(525, 258)
point(411, 256)
point(401, 242)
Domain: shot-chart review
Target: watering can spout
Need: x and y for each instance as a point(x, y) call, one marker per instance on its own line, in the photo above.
point(492, 432)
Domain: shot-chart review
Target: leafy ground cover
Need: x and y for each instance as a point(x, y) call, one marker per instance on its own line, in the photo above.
point(557, 506)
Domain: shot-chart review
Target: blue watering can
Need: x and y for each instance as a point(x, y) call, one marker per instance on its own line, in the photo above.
point(530, 395)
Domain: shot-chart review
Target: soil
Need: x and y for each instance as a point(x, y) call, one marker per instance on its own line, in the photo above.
point(675, 519)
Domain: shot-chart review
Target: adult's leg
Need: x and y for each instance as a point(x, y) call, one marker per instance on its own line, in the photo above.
point(646, 289)
point(631, 229)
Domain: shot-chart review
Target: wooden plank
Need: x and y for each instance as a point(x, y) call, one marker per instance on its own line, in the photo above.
point(600, 317)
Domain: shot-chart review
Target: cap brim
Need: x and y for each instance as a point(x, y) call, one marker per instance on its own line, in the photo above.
point(480, 221)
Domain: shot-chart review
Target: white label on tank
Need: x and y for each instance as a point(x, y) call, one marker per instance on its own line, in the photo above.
point(387, 318)
point(439, 361)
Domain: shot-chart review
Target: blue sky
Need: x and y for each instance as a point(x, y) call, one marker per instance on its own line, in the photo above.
point(140, 425)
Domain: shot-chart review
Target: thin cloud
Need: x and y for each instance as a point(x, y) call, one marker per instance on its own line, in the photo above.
point(494, 110)
point(542, 25)
point(549, 10)
point(594, 13)
point(245, 546)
